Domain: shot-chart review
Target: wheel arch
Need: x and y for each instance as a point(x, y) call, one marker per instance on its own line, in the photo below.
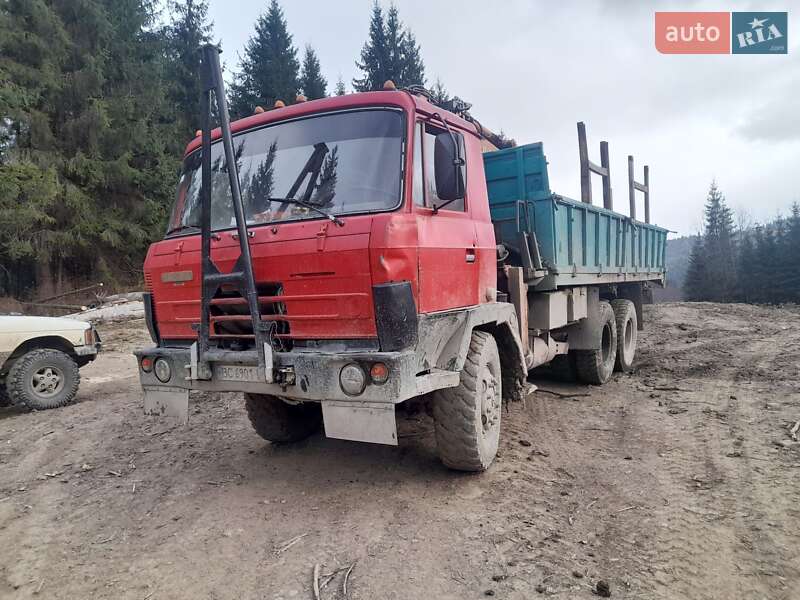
point(512, 360)
point(45, 342)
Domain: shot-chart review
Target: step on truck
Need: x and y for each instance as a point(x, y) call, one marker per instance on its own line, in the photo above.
point(332, 259)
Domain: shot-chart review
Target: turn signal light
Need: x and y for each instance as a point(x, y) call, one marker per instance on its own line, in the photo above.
point(379, 373)
point(147, 364)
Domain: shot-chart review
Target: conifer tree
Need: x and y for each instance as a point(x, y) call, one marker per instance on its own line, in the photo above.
point(187, 32)
point(747, 272)
point(312, 83)
point(83, 104)
point(340, 89)
point(791, 254)
point(269, 69)
point(694, 286)
point(391, 52)
point(712, 268)
point(719, 247)
point(439, 93)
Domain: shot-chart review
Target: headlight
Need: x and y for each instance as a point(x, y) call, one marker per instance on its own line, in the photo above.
point(352, 379)
point(162, 370)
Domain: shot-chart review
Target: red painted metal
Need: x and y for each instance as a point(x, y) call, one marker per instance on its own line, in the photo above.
point(326, 273)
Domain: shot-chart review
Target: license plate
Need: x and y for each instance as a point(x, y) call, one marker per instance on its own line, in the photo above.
point(236, 373)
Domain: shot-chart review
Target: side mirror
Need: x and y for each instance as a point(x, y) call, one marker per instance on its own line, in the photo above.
point(448, 159)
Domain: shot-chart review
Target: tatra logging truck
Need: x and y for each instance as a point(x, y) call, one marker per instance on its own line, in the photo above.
point(334, 258)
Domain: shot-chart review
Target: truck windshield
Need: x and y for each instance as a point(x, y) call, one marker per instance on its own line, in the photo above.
point(347, 162)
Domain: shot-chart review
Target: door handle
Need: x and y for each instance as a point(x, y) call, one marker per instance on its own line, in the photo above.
point(470, 258)
point(250, 233)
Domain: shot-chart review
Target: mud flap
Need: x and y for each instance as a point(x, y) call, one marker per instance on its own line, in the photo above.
point(167, 402)
point(360, 421)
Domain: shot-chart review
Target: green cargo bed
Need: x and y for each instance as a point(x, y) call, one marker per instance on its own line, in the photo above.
point(577, 243)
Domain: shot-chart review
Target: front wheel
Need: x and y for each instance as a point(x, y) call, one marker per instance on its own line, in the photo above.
point(467, 417)
point(278, 421)
point(43, 379)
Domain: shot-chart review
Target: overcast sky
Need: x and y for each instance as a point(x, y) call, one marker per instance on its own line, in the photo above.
point(533, 69)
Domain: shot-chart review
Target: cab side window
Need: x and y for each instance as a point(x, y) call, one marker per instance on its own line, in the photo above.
point(431, 198)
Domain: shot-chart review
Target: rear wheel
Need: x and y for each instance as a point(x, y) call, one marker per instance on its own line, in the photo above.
point(277, 421)
point(627, 334)
point(467, 417)
point(597, 366)
point(43, 379)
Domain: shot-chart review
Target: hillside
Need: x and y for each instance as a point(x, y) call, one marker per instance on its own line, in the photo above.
point(677, 261)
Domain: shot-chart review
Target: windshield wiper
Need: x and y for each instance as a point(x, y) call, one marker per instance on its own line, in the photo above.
point(332, 218)
point(182, 228)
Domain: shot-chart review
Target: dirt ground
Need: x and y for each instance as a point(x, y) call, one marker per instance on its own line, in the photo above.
point(676, 481)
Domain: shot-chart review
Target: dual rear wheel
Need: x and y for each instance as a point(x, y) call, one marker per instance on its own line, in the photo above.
point(618, 339)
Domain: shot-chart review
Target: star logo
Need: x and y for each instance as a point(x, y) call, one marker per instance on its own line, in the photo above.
point(757, 23)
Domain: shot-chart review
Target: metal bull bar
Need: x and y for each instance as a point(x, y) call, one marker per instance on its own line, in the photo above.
point(242, 274)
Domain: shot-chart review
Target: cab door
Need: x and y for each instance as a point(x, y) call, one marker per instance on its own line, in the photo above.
point(448, 265)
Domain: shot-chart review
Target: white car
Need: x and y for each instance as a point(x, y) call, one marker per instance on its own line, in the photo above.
point(40, 357)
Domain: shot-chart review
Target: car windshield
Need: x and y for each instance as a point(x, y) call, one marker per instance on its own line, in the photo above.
point(347, 162)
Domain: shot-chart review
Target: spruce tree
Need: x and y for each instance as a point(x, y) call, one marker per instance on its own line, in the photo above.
point(747, 271)
point(791, 254)
point(340, 89)
point(390, 53)
point(718, 254)
point(694, 286)
point(187, 32)
point(439, 93)
point(269, 69)
point(312, 83)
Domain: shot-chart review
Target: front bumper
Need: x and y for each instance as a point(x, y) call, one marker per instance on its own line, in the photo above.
point(88, 350)
point(315, 375)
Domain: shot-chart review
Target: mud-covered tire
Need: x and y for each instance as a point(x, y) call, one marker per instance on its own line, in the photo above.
point(597, 366)
point(278, 421)
point(467, 417)
point(563, 368)
point(43, 379)
point(627, 334)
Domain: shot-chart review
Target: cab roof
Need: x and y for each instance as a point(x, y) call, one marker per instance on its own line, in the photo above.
point(396, 98)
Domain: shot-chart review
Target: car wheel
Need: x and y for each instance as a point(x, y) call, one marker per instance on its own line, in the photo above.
point(43, 379)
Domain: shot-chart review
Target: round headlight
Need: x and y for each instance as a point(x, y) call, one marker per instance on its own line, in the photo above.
point(352, 379)
point(162, 370)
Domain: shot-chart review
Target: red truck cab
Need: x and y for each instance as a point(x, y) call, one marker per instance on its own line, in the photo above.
point(378, 292)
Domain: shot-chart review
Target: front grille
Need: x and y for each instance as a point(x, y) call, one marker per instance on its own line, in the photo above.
point(230, 318)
